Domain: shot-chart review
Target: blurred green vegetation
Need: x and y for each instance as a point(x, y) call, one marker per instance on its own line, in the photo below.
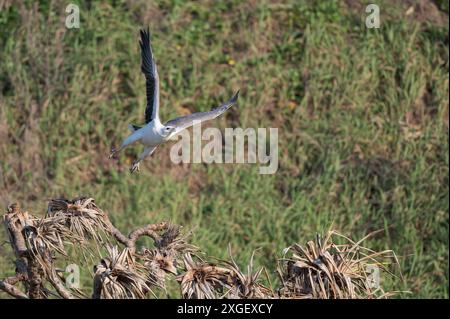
point(362, 117)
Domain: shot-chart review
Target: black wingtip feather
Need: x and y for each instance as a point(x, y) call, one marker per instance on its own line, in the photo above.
point(144, 33)
point(146, 52)
point(145, 38)
point(235, 97)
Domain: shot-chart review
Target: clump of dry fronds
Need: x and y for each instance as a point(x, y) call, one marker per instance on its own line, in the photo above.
point(325, 270)
point(47, 236)
point(81, 216)
point(205, 280)
point(66, 222)
point(118, 276)
point(166, 257)
point(321, 269)
point(246, 285)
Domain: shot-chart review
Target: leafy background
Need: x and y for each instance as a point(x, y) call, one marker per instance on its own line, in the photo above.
point(362, 116)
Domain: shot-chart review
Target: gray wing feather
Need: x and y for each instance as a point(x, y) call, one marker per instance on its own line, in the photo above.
point(184, 122)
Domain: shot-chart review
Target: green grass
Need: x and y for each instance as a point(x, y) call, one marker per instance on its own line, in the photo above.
point(362, 116)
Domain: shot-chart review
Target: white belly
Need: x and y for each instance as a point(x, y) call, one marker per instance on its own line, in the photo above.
point(150, 136)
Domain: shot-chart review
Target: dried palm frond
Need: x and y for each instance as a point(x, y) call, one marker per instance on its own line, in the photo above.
point(158, 264)
point(175, 243)
point(46, 236)
point(82, 217)
point(167, 255)
point(325, 270)
point(245, 286)
point(203, 280)
point(118, 276)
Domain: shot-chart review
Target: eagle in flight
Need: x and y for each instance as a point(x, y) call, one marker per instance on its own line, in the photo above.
point(154, 133)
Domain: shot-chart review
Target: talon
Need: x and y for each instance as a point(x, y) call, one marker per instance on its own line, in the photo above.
point(113, 152)
point(134, 167)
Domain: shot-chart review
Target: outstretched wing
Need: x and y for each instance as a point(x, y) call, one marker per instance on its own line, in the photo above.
point(148, 67)
point(184, 122)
